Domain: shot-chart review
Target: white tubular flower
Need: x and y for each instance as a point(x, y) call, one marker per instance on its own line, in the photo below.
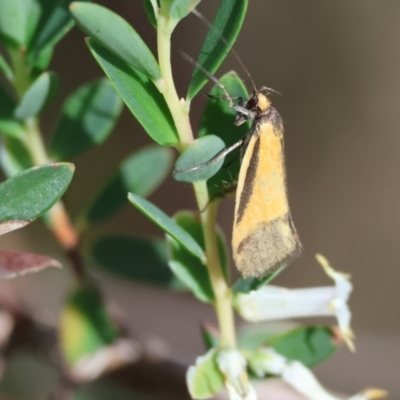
point(273, 302)
point(216, 369)
point(267, 361)
point(304, 381)
point(370, 394)
point(233, 365)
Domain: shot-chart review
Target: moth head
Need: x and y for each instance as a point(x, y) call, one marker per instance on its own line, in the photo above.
point(258, 102)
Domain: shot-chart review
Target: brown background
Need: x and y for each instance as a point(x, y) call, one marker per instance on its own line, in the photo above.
point(337, 64)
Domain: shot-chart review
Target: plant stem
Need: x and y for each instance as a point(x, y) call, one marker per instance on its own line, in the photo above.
point(180, 115)
point(57, 217)
point(223, 295)
point(22, 79)
point(34, 142)
point(167, 87)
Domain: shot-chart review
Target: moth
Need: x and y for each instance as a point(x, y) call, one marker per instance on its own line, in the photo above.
point(264, 238)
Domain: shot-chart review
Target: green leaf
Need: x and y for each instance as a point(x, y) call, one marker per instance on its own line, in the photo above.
point(219, 40)
point(42, 61)
point(133, 258)
point(218, 119)
point(13, 21)
point(139, 94)
point(205, 379)
point(178, 9)
point(141, 173)
point(29, 194)
point(167, 224)
point(199, 152)
point(210, 335)
point(55, 21)
point(254, 336)
point(5, 68)
point(116, 35)
point(85, 326)
point(88, 117)
point(8, 124)
point(195, 279)
point(37, 96)
point(150, 12)
point(188, 268)
point(309, 345)
point(14, 156)
point(247, 285)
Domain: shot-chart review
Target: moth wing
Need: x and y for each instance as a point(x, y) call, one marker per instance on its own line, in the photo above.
point(263, 238)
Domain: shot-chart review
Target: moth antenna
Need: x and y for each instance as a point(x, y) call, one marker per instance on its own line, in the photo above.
point(271, 90)
point(211, 76)
point(239, 60)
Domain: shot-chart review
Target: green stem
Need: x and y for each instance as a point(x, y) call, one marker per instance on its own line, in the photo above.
point(180, 113)
point(22, 73)
point(58, 219)
point(35, 143)
point(223, 295)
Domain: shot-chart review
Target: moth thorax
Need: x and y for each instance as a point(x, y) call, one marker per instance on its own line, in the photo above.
point(263, 102)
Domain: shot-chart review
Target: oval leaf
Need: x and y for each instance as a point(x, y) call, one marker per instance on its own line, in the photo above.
point(116, 35)
point(14, 156)
point(218, 118)
point(210, 335)
point(179, 9)
point(150, 13)
point(9, 125)
point(139, 94)
point(167, 224)
point(15, 263)
point(247, 285)
point(133, 258)
point(37, 96)
point(13, 20)
point(204, 379)
point(196, 162)
point(141, 173)
point(88, 117)
point(85, 325)
point(29, 194)
point(5, 68)
point(55, 22)
point(309, 345)
point(218, 42)
point(190, 269)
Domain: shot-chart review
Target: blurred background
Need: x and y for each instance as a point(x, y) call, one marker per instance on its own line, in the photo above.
point(337, 65)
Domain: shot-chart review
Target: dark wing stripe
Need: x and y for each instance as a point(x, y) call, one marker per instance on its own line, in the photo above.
point(249, 181)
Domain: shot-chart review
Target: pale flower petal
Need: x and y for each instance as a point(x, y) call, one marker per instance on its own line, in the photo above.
point(303, 380)
point(338, 304)
point(233, 366)
point(267, 361)
point(370, 394)
point(273, 302)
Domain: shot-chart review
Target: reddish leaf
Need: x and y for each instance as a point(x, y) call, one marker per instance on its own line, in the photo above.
point(15, 263)
point(8, 226)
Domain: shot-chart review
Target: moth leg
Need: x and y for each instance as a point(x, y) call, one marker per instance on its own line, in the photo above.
point(221, 154)
point(239, 98)
point(230, 162)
